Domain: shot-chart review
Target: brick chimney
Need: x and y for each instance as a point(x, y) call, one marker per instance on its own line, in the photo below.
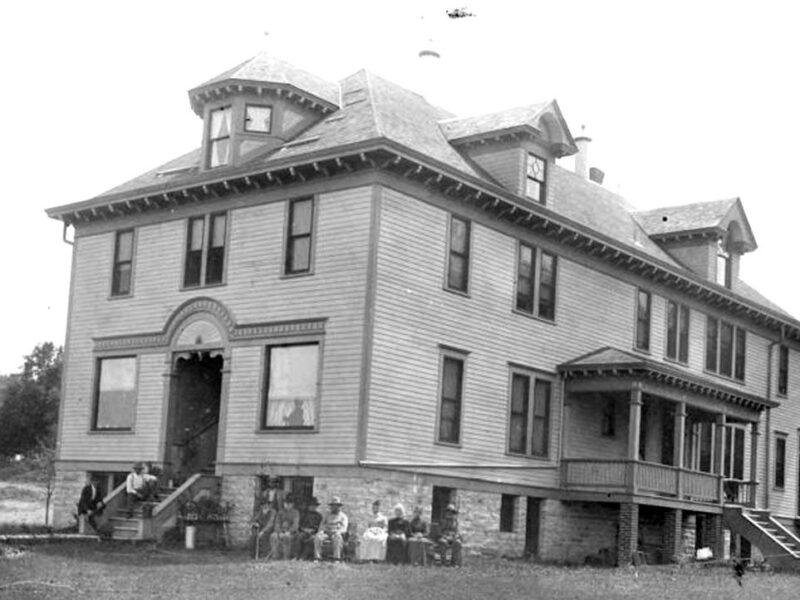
point(582, 157)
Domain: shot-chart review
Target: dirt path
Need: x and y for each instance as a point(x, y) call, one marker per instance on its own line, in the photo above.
point(21, 503)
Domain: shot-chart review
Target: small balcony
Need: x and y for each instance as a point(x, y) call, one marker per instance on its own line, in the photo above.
point(636, 477)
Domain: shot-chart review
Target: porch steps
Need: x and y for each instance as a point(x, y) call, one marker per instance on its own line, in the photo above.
point(124, 527)
point(780, 546)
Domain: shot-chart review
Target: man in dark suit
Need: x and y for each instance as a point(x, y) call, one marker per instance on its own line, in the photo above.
point(91, 501)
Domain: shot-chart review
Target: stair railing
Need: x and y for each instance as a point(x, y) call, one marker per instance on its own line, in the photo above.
point(165, 513)
point(114, 500)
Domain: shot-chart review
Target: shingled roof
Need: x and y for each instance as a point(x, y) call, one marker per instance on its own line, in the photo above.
point(687, 217)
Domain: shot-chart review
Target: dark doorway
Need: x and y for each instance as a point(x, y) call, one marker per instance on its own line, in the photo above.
point(532, 527)
point(193, 415)
point(442, 496)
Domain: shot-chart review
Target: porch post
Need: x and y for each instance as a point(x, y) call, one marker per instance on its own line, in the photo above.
point(634, 435)
point(678, 443)
point(719, 454)
point(628, 533)
point(754, 434)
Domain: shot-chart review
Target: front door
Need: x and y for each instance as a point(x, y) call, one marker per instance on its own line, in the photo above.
point(193, 414)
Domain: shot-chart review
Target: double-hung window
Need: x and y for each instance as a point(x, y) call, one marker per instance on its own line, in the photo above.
point(780, 460)
point(535, 178)
point(724, 274)
point(725, 348)
point(783, 370)
point(677, 332)
point(529, 415)
point(733, 463)
point(536, 282)
point(291, 389)
point(219, 137)
point(458, 254)
point(643, 309)
point(299, 236)
point(123, 263)
point(451, 398)
point(205, 250)
point(115, 394)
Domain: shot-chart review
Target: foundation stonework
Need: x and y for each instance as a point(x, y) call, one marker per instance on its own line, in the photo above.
point(572, 531)
point(66, 493)
point(240, 491)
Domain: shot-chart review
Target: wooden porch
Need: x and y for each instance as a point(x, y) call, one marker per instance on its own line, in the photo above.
point(636, 477)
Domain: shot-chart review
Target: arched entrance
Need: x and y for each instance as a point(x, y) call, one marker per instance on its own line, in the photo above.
point(195, 395)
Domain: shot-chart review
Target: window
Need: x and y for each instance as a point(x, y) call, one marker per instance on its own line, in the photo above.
point(451, 398)
point(219, 137)
point(536, 173)
point(205, 254)
point(536, 282)
point(733, 463)
point(123, 263)
point(529, 418)
point(115, 393)
point(299, 236)
point(257, 118)
point(723, 265)
point(726, 348)
point(643, 320)
point(780, 460)
point(508, 508)
point(608, 421)
point(677, 332)
point(458, 259)
point(292, 374)
point(783, 371)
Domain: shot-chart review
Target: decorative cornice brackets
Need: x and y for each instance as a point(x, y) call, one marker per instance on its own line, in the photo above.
point(235, 333)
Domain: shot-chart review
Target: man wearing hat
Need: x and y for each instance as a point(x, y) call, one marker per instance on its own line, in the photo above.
point(287, 522)
point(137, 488)
point(310, 521)
point(333, 528)
point(450, 539)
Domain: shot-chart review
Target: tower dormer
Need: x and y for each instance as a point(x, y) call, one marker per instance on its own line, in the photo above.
point(256, 107)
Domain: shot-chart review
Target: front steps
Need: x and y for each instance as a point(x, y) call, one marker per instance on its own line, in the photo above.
point(137, 526)
point(779, 546)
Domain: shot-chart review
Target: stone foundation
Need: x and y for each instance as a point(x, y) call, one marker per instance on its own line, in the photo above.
point(66, 493)
point(241, 492)
point(572, 531)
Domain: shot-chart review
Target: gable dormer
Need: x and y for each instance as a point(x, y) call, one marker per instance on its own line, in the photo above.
point(258, 106)
point(708, 238)
point(516, 147)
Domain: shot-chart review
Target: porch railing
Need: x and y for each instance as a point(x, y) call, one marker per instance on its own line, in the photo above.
point(633, 477)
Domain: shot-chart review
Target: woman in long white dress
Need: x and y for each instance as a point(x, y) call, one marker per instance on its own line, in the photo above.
point(373, 541)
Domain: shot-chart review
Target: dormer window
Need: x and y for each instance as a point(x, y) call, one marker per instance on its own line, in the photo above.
point(723, 265)
point(219, 137)
point(535, 178)
point(258, 118)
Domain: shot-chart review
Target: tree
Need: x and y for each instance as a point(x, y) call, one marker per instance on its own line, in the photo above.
point(29, 413)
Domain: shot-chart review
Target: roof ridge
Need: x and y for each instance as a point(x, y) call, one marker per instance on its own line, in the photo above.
point(496, 112)
point(700, 203)
point(372, 106)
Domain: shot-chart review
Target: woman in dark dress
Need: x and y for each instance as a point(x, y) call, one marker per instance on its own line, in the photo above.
point(398, 534)
point(418, 542)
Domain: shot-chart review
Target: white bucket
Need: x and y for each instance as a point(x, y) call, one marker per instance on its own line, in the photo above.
point(191, 530)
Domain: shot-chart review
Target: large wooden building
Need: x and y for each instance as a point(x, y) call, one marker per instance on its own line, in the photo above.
point(354, 291)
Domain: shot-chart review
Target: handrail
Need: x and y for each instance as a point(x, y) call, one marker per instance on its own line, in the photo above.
point(198, 434)
point(785, 531)
point(176, 494)
point(768, 534)
point(111, 501)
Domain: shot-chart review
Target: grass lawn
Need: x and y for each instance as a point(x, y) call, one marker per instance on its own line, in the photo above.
point(121, 571)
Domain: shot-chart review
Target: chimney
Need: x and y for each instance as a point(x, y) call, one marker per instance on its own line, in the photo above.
point(582, 157)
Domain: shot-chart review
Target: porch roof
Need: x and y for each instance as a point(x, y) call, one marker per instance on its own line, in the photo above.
point(609, 362)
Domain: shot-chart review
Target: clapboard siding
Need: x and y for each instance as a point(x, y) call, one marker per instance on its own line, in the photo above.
point(414, 315)
point(506, 165)
point(786, 419)
point(254, 292)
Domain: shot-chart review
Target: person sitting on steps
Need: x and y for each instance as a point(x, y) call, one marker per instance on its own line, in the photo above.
point(138, 487)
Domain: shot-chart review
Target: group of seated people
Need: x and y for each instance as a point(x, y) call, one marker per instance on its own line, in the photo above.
point(400, 541)
point(302, 533)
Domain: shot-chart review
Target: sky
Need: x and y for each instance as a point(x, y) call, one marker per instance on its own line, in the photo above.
point(684, 102)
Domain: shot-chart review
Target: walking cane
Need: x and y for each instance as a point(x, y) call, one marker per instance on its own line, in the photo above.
point(258, 540)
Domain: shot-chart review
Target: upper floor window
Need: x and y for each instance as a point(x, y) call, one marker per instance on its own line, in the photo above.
point(219, 137)
point(529, 415)
point(115, 393)
point(783, 371)
point(677, 331)
point(608, 418)
point(780, 460)
point(723, 265)
point(451, 397)
point(291, 388)
point(299, 236)
point(123, 263)
point(725, 348)
point(536, 282)
point(257, 118)
point(205, 252)
point(643, 300)
point(458, 254)
point(536, 173)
